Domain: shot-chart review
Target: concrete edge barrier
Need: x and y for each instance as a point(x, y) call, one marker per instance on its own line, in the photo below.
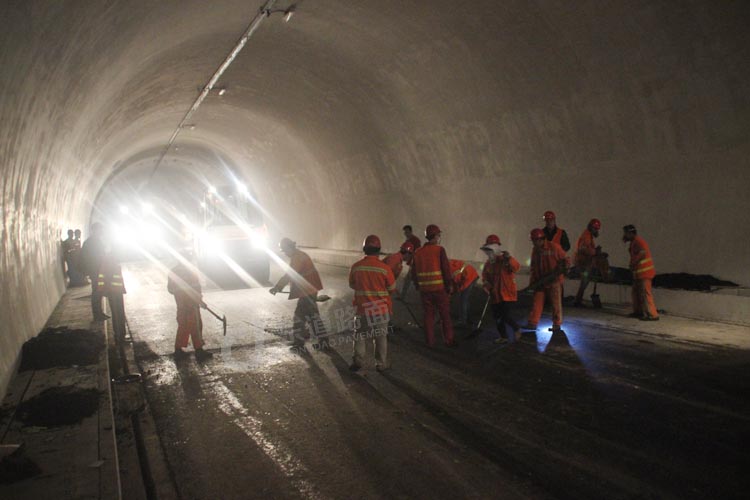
point(720, 306)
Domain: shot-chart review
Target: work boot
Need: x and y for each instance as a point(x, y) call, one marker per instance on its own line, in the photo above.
point(203, 355)
point(635, 315)
point(355, 367)
point(452, 345)
point(382, 368)
point(579, 303)
point(517, 334)
point(179, 354)
point(529, 327)
point(649, 318)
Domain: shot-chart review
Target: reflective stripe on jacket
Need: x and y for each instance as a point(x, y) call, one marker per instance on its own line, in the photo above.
point(109, 279)
point(373, 283)
point(640, 260)
point(428, 269)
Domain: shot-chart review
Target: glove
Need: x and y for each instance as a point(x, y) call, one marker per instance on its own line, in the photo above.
point(273, 290)
point(203, 305)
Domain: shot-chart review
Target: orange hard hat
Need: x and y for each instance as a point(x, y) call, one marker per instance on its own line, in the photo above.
point(549, 214)
point(537, 234)
point(493, 239)
point(595, 224)
point(407, 247)
point(431, 231)
point(372, 241)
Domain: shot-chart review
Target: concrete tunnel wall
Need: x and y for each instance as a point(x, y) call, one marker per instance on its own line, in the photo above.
point(360, 116)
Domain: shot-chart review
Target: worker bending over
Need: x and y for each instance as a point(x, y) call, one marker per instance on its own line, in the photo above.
point(184, 283)
point(463, 276)
point(304, 282)
point(589, 259)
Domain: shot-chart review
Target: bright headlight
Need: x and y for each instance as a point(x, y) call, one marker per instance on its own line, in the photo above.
point(259, 240)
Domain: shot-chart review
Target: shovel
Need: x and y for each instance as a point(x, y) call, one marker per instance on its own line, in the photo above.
point(221, 318)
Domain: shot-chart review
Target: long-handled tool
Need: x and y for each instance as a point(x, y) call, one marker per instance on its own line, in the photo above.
point(478, 329)
point(411, 313)
point(221, 318)
point(320, 298)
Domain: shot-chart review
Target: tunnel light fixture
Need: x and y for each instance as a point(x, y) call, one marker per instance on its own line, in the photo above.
point(289, 12)
point(222, 91)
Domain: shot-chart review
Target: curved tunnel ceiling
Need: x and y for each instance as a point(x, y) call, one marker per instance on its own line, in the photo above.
point(360, 116)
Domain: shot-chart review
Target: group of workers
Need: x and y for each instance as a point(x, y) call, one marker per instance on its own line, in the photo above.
point(437, 278)
point(71, 253)
point(433, 274)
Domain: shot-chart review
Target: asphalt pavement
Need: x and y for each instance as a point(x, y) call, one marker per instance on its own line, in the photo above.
point(614, 408)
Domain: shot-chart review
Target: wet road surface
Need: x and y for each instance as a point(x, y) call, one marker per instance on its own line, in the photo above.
point(605, 411)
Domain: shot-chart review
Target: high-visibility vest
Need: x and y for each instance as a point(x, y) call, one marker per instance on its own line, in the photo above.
point(428, 269)
point(373, 283)
point(109, 280)
point(644, 264)
point(557, 237)
point(302, 264)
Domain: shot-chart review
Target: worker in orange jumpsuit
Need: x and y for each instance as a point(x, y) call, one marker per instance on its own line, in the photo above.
point(110, 284)
point(499, 281)
point(554, 233)
point(304, 282)
point(416, 243)
point(548, 266)
point(396, 260)
point(642, 267)
point(184, 283)
point(373, 283)
point(589, 259)
point(464, 276)
point(431, 274)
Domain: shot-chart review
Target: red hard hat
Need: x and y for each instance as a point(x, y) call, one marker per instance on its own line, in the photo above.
point(407, 247)
point(492, 239)
point(372, 241)
point(431, 231)
point(537, 234)
point(595, 223)
point(549, 214)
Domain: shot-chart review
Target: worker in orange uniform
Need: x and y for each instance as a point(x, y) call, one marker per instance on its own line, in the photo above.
point(464, 276)
point(499, 281)
point(431, 274)
point(184, 283)
point(396, 260)
point(642, 267)
point(416, 244)
point(373, 283)
point(111, 285)
point(548, 266)
point(554, 233)
point(589, 258)
point(304, 282)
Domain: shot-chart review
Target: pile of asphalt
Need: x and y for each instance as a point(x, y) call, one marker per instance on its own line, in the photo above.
point(61, 347)
point(686, 281)
point(58, 406)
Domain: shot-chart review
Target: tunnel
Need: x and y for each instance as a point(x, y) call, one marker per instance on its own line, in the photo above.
point(349, 118)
